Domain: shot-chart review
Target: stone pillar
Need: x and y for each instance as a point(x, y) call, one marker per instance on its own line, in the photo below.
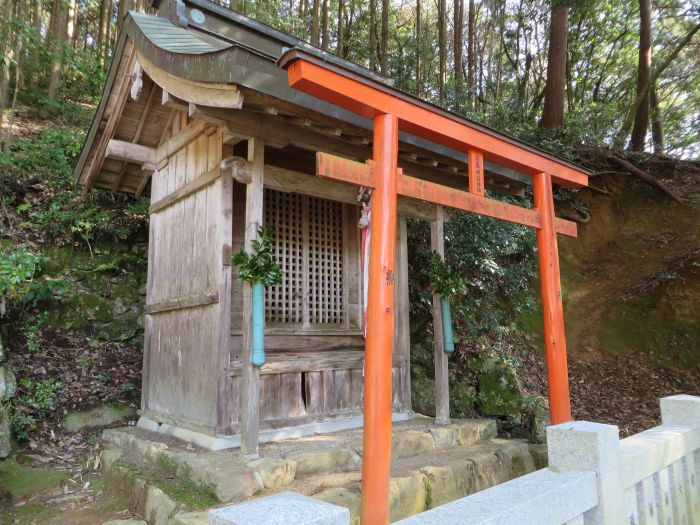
point(580, 445)
point(680, 410)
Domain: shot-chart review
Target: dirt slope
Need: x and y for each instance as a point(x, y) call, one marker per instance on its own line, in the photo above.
point(632, 278)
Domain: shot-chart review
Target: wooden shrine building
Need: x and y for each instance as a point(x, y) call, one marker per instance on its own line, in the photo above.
point(227, 124)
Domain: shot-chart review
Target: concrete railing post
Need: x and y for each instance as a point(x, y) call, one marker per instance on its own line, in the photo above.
point(580, 445)
point(680, 410)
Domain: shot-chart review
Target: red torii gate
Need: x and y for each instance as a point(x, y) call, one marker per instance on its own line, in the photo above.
point(391, 111)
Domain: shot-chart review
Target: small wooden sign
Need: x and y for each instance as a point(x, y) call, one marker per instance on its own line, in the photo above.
point(476, 172)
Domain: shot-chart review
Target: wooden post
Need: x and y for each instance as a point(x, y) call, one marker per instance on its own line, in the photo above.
point(250, 395)
point(225, 240)
point(376, 459)
point(552, 308)
point(442, 387)
point(402, 337)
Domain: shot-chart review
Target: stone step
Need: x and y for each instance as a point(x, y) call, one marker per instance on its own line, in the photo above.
point(430, 465)
point(419, 483)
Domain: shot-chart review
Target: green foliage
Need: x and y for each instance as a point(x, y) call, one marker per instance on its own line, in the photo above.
point(39, 396)
point(259, 266)
point(20, 423)
point(490, 264)
point(66, 213)
point(444, 279)
point(20, 282)
point(32, 329)
point(17, 269)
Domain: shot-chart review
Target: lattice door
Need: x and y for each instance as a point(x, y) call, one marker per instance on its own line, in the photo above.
point(283, 212)
point(325, 252)
point(308, 244)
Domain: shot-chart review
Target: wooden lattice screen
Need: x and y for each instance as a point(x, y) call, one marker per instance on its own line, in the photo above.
point(308, 244)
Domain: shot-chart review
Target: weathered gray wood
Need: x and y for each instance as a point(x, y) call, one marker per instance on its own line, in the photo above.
point(442, 392)
point(191, 301)
point(402, 333)
point(225, 218)
point(183, 365)
point(113, 119)
point(185, 191)
point(315, 362)
point(287, 180)
point(250, 395)
point(130, 152)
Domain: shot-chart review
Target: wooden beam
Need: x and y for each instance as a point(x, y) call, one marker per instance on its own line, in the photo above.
point(130, 152)
point(191, 301)
point(250, 390)
point(185, 191)
point(359, 174)
point(442, 387)
point(290, 181)
point(180, 140)
point(206, 93)
point(137, 135)
point(337, 87)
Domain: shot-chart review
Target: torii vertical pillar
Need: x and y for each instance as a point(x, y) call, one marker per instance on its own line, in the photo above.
point(552, 307)
point(376, 458)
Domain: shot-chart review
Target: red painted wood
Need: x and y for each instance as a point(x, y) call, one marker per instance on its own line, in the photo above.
point(369, 101)
point(376, 452)
point(552, 308)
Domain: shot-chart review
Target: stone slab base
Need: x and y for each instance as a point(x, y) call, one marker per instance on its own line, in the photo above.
point(265, 436)
point(286, 507)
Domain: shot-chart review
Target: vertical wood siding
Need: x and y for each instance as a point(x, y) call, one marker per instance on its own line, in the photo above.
point(186, 250)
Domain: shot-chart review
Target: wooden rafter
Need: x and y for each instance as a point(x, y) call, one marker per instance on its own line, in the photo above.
point(136, 137)
point(112, 122)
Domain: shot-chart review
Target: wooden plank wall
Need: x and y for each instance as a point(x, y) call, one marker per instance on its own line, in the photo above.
point(187, 251)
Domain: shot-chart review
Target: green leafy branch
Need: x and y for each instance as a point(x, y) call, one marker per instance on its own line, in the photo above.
point(259, 266)
point(444, 279)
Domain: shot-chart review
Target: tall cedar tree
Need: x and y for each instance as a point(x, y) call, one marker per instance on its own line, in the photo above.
point(553, 112)
point(458, 43)
point(442, 46)
point(384, 65)
point(341, 29)
point(419, 82)
point(471, 54)
point(641, 119)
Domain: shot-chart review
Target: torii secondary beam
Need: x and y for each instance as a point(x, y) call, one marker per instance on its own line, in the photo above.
point(359, 174)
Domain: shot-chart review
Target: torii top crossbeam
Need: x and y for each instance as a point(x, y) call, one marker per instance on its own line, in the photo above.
point(392, 111)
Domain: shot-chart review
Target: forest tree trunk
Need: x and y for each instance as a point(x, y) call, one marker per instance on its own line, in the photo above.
point(58, 41)
point(471, 55)
point(553, 112)
point(341, 29)
point(325, 35)
point(657, 125)
point(384, 65)
point(442, 46)
point(419, 83)
point(372, 39)
point(315, 22)
point(458, 50)
point(641, 119)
